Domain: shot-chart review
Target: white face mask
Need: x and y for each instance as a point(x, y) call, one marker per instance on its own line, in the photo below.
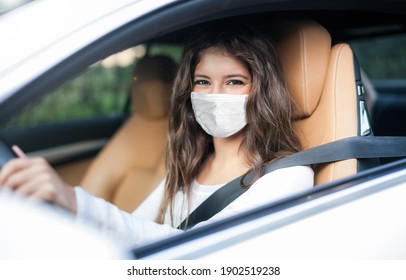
point(220, 115)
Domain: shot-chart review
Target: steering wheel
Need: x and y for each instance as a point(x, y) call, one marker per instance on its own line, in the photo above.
point(6, 153)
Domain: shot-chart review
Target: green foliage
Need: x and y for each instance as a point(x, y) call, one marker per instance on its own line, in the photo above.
point(173, 51)
point(100, 91)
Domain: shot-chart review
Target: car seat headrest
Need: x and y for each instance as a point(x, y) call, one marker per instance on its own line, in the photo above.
point(152, 86)
point(304, 48)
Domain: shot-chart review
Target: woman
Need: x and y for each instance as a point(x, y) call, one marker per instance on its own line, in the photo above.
point(231, 113)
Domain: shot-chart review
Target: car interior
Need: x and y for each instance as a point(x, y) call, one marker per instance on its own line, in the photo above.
point(131, 163)
point(320, 70)
point(321, 80)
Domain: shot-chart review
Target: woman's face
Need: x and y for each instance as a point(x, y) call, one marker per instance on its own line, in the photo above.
point(219, 72)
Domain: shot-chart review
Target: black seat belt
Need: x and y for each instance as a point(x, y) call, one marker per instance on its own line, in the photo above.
point(356, 147)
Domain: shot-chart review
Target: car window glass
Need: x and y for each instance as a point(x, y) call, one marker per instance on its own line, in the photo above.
point(174, 51)
point(382, 57)
point(101, 90)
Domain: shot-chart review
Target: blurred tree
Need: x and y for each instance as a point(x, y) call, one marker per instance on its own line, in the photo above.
point(100, 91)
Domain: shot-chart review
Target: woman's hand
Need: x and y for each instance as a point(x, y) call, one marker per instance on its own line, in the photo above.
point(35, 178)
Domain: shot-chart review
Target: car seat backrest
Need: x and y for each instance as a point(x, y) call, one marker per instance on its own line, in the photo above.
point(132, 162)
point(321, 80)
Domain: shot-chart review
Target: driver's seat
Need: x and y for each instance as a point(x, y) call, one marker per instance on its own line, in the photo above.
point(321, 81)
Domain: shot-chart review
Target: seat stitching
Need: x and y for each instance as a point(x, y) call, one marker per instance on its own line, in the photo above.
point(304, 69)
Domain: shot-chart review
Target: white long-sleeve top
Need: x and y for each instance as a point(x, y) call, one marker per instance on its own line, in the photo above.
point(139, 228)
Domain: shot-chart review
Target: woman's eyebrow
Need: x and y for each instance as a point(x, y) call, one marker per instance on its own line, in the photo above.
point(226, 76)
point(237, 76)
point(201, 76)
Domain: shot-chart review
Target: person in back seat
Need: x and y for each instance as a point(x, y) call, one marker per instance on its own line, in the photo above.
point(231, 113)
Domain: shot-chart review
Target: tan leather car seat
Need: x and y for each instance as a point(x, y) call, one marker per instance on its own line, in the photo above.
point(321, 80)
point(132, 162)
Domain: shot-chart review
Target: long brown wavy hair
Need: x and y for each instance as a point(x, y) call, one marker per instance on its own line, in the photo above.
point(269, 132)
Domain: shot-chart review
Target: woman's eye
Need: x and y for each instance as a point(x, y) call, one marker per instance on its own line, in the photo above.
point(202, 82)
point(235, 83)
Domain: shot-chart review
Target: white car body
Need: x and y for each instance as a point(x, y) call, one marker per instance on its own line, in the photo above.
point(364, 221)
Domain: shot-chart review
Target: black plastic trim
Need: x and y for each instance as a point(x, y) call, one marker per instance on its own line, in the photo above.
point(58, 134)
